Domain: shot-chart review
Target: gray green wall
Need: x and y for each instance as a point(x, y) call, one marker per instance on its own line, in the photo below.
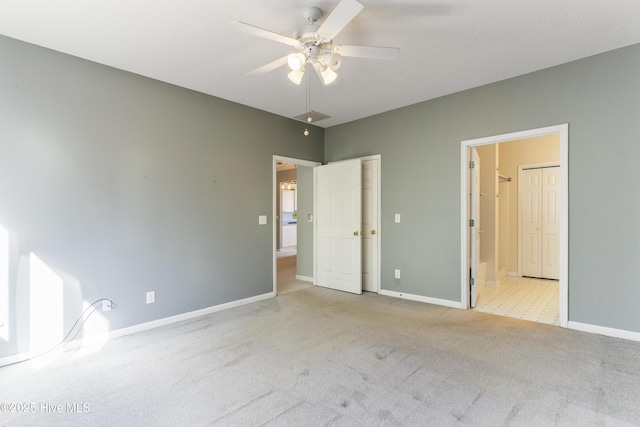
point(599, 97)
point(123, 184)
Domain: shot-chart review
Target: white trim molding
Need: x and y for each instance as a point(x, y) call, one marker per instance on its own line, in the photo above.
point(603, 330)
point(304, 278)
point(420, 298)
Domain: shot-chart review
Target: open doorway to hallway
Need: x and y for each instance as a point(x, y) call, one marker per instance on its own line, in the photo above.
point(287, 264)
point(293, 224)
point(504, 282)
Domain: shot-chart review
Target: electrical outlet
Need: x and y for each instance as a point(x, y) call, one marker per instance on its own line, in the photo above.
point(151, 297)
point(106, 305)
point(397, 273)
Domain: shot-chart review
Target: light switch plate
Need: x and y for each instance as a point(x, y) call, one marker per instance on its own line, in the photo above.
point(262, 219)
point(397, 218)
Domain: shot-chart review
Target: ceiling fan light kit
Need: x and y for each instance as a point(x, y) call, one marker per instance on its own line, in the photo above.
point(315, 44)
point(296, 76)
point(296, 61)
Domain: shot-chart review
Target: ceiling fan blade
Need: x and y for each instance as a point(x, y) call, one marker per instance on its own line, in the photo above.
point(269, 67)
point(367, 51)
point(257, 31)
point(344, 12)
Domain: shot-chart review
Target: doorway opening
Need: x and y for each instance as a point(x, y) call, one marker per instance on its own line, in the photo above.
point(498, 268)
point(292, 224)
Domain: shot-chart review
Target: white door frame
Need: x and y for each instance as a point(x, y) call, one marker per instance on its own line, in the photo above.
point(274, 188)
point(561, 130)
point(378, 159)
point(520, 201)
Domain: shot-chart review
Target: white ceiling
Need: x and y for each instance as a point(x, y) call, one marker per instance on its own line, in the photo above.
point(445, 45)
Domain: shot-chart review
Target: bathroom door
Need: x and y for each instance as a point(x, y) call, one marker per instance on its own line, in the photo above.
point(474, 223)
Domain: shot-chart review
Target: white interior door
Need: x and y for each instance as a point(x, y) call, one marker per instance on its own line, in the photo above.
point(338, 189)
point(531, 184)
point(541, 222)
point(551, 223)
point(370, 225)
point(475, 225)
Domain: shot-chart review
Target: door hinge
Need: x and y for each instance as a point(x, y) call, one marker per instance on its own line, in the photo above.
point(471, 223)
point(472, 164)
point(471, 281)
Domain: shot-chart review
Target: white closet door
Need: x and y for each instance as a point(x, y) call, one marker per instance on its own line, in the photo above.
point(551, 223)
point(531, 222)
point(541, 222)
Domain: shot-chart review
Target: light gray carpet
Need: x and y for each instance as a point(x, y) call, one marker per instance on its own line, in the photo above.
point(321, 357)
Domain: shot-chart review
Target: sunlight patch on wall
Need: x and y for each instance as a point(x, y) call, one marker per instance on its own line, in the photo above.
point(94, 331)
point(4, 284)
point(46, 307)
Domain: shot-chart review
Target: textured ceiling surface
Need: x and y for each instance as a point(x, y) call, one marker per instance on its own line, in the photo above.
point(445, 46)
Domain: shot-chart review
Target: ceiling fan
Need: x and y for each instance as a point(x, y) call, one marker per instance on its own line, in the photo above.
point(315, 44)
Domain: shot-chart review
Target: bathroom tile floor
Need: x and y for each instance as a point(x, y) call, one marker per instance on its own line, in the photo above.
point(523, 298)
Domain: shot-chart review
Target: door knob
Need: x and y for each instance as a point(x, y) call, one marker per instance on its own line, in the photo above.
point(356, 233)
point(373, 231)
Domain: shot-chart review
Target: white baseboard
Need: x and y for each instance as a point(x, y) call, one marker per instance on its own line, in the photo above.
point(145, 326)
point(603, 330)
point(186, 316)
point(420, 298)
point(304, 278)
point(513, 274)
point(492, 284)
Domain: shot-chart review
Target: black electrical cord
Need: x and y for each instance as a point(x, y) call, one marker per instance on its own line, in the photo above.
point(64, 340)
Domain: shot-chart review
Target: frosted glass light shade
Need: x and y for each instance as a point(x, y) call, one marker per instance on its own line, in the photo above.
point(328, 76)
point(296, 61)
point(296, 76)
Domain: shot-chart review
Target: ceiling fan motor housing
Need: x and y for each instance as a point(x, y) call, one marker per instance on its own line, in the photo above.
point(307, 34)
